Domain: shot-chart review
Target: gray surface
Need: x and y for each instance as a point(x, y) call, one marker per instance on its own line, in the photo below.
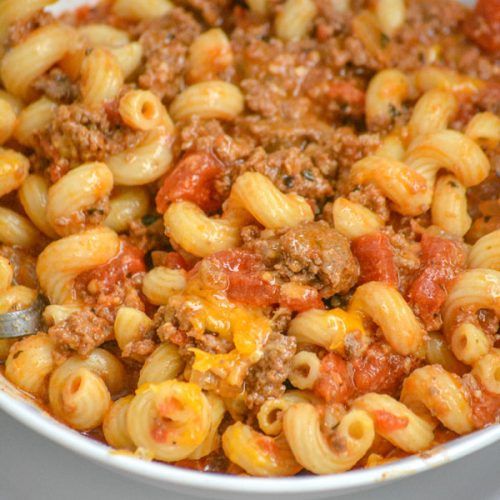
point(33, 468)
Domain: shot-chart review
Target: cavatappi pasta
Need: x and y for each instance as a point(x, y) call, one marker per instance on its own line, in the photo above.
point(268, 232)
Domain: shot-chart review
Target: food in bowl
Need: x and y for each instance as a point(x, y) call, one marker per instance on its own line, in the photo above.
point(268, 232)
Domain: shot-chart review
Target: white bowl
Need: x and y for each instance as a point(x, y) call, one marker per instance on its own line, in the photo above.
point(224, 486)
point(212, 486)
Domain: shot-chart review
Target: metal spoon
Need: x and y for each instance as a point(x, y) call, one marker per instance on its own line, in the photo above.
point(25, 322)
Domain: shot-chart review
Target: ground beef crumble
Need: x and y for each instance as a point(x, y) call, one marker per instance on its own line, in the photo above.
point(265, 379)
point(80, 333)
point(77, 135)
point(311, 253)
point(165, 43)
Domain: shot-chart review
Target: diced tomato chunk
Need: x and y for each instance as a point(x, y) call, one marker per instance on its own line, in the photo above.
point(244, 274)
point(309, 298)
point(193, 179)
point(376, 258)
point(483, 27)
point(427, 293)
point(128, 261)
point(437, 250)
point(441, 260)
point(252, 290)
point(334, 384)
point(172, 260)
point(247, 284)
point(378, 370)
point(386, 422)
point(346, 92)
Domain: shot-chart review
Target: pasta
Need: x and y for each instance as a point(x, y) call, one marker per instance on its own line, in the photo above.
point(390, 311)
point(78, 396)
point(135, 10)
point(209, 55)
point(126, 205)
point(432, 390)
point(386, 92)
point(164, 363)
point(213, 99)
point(353, 219)
point(77, 192)
point(7, 120)
point(486, 252)
point(81, 252)
point(14, 169)
point(33, 118)
point(34, 195)
point(303, 432)
point(131, 325)
point(177, 410)
point(30, 364)
point(161, 283)
point(247, 448)
point(201, 235)
point(295, 18)
point(142, 110)
point(257, 194)
point(114, 425)
point(101, 78)
point(263, 236)
point(20, 67)
point(16, 230)
point(145, 163)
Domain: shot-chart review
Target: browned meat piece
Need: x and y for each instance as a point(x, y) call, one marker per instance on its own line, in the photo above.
point(77, 135)
point(139, 349)
point(19, 30)
point(82, 332)
point(57, 86)
point(212, 11)
point(291, 170)
point(312, 253)
point(371, 197)
point(165, 43)
point(265, 380)
point(322, 254)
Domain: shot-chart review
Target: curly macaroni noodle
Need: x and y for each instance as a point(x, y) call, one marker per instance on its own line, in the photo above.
point(24, 63)
point(258, 238)
point(213, 99)
point(178, 413)
point(387, 308)
point(258, 454)
point(78, 191)
point(145, 163)
point(432, 391)
point(312, 450)
point(485, 253)
point(273, 209)
point(63, 260)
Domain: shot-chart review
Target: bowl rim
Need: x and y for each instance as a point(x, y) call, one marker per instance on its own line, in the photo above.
point(42, 423)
